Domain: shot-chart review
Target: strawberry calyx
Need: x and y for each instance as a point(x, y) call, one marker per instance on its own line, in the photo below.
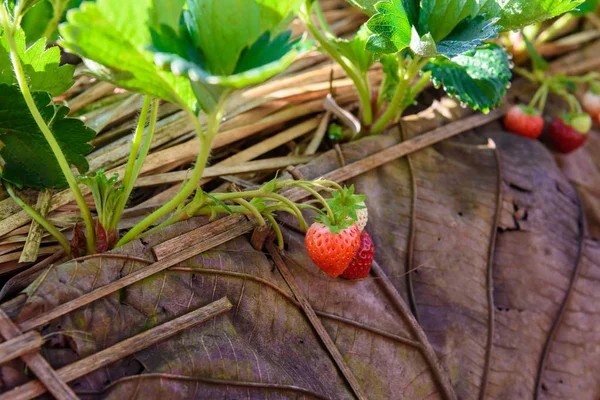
point(344, 204)
point(530, 111)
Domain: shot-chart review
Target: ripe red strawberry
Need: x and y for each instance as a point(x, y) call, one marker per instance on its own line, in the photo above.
point(523, 121)
point(361, 263)
point(564, 137)
point(332, 252)
point(591, 104)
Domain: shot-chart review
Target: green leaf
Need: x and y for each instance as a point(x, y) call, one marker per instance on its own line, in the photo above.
point(41, 66)
point(478, 80)
point(259, 62)
point(24, 5)
point(28, 159)
point(216, 55)
point(441, 17)
point(423, 46)
point(468, 35)
point(412, 9)
point(264, 51)
point(219, 203)
point(356, 51)
point(345, 207)
point(366, 6)
point(391, 26)
point(36, 23)
point(113, 36)
point(587, 7)
point(167, 13)
point(391, 78)
point(381, 45)
point(222, 29)
point(335, 132)
point(517, 14)
point(106, 193)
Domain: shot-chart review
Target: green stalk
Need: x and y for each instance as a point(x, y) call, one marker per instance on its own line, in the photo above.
point(301, 206)
point(321, 183)
point(147, 143)
point(206, 139)
point(238, 195)
point(291, 205)
point(583, 79)
point(523, 72)
point(58, 153)
point(395, 107)
point(420, 85)
point(574, 106)
point(40, 219)
point(317, 196)
point(139, 162)
point(57, 13)
point(321, 18)
point(277, 230)
point(137, 141)
point(260, 193)
point(362, 87)
point(253, 210)
point(539, 97)
point(542, 102)
point(131, 161)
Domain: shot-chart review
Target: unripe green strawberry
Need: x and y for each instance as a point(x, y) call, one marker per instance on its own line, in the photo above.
point(581, 122)
point(332, 252)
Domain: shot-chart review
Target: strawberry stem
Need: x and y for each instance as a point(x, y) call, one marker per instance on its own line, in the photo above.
point(253, 210)
point(276, 228)
point(539, 98)
point(317, 196)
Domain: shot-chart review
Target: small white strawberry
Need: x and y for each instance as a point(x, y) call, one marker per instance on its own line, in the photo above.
point(591, 104)
point(362, 217)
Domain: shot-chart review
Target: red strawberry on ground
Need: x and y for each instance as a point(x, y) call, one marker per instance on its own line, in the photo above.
point(524, 121)
point(591, 104)
point(361, 263)
point(332, 252)
point(564, 137)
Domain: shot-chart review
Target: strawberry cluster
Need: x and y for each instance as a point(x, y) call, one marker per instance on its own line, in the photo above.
point(567, 133)
point(337, 242)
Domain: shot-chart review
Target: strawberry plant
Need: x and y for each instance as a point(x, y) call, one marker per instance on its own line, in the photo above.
point(569, 130)
point(30, 123)
point(187, 57)
point(444, 41)
point(195, 58)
